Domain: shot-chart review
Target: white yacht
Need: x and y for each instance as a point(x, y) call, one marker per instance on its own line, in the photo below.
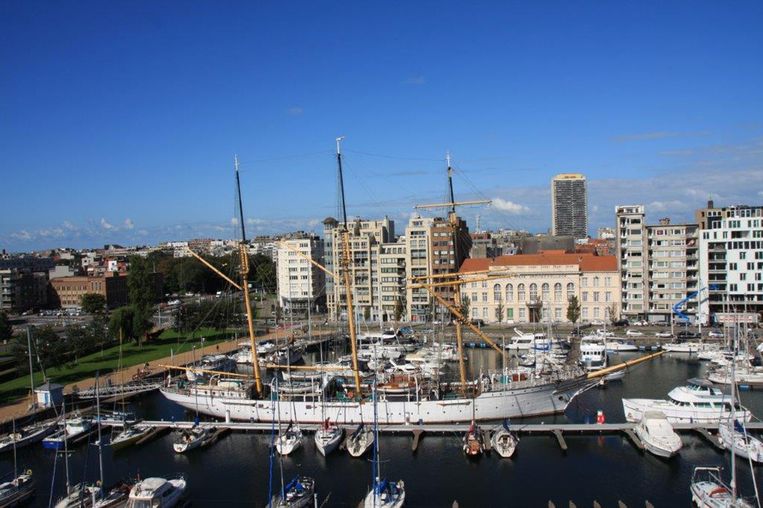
point(690, 347)
point(157, 493)
point(528, 342)
point(290, 440)
point(360, 441)
point(616, 345)
point(697, 402)
point(657, 434)
point(328, 437)
point(745, 374)
point(736, 436)
point(593, 353)
point(192, 438)
point(504, 442)
point(709, 491)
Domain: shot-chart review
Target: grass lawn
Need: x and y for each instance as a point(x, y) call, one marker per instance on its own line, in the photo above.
point(107, 360)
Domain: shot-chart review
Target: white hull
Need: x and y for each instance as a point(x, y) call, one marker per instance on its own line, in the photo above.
point(532, 400)
point(747, 448)
point(635, 408)
point(327, 441)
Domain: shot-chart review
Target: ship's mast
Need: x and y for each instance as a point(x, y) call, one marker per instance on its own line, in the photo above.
point(346, 265)
point(244, 256)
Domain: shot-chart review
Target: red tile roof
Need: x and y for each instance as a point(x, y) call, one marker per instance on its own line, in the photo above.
point(586, 262)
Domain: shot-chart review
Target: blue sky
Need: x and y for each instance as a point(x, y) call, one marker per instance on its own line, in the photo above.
point(119, 120)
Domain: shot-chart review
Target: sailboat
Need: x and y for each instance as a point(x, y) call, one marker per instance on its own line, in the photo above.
point(474, 443)
point(17, 490)
point(289, 441)
point(298, 493)
point(503, 441)
point(383, 493)
point(708, 490)
point(190, 439)
point(327, 437)
point(27, 435)
point(360, 441)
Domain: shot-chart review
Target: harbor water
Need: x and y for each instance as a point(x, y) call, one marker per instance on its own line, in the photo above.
point(238, 470)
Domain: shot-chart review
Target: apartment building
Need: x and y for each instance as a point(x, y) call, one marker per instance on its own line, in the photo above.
point(365, 238)
point(536, 288)
point(300, 283)
point(417, 264)
point(22, 289)
point(731, 259)
point(569, 205)
point(659, 266)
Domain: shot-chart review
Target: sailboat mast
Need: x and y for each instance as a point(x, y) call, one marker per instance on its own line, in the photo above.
point(346, 268)
point(100, 439)
point(453, 219)
point(733, 411)
point(244, 255)
point(29, 348)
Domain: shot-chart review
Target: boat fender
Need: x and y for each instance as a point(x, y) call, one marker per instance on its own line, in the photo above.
point(600, 417)
point(28, 472)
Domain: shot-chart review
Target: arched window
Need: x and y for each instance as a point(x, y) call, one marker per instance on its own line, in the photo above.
point(533, 291)
point(509, 292)
point(570, 290)
point(544, 292)
point(557, 292)
point(497, 294)
point(521, 292)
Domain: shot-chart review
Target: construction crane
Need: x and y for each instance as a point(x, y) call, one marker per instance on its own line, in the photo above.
point(455, 309)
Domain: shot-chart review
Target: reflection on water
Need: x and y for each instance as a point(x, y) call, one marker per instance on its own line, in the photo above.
point(236, 470)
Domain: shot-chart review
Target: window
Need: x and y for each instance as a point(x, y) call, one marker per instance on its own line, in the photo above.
point(558, 313)
point(484, 312)
point(521, 313)
point(596, 312)
point(521, 294)
point(509, 314)
point(608, 296)
point(584, 313)
point(544, 291)
point(484, 296)
point(497, 293)
point(595, 296)
point(584, 282)
point(509, 292)
point(557, 292)
point(596, 282)
point(533, 291)
point(570, 290)
point(585, 296)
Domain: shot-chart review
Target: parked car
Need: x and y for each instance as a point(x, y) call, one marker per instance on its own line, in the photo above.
point(715, 334)
point(621, 322)
point(685, 334)
point(634, 333)
point(663, 335)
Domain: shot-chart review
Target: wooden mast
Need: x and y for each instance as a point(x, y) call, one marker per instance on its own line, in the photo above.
point(243, 254)
point(346, 265)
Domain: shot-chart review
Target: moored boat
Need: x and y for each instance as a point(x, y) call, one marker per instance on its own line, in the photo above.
point(27, 435)
point(298, 493)
point(474, 443)
point(189, 439)
point(360, 441)
point(328, 437)
point(734, 435)
point(504, 442)
point(18, 490)
point(290, 440)
point(157, 493)
point(657, 434)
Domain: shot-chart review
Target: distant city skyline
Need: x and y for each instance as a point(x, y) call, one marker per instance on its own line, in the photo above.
point(120, 124)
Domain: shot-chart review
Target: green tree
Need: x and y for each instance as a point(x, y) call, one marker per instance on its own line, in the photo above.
point(121, 322)
point(93, 303)
point(573, 309)
point(279, 313)
point(465, 305)
point(6, 330)
point(499, 312)
point(367, 313)
point(142, 295)
point(48, 350)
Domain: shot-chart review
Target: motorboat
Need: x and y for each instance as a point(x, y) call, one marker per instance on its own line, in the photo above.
point(26, 436)
point(657, 434)
point(18, 490)
point(690, 347)
point(504, 442)
point(360, 441)
point(696, 402)
point(73, 430)
point(736, 436)
point(438, 351)
point(298, 493)
point(708, 490)
point(528, 341)
point(290, 440)
point(615, 345)
point(663, 335)
point(474, 443)
point(129, 435)
point(634, 333)
point(157, 493)
point(192, 438)
point(593, 353)
point(328, 437)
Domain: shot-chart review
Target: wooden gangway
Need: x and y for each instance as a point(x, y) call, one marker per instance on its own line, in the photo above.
point(119, 390)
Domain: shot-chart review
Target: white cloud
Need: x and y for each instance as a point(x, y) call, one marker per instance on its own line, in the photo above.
point(22, 235)
point(295, 111)
point(128, 223)
point(106, 225)
point(509, 206)
point(255, 221)
point(653, 135)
